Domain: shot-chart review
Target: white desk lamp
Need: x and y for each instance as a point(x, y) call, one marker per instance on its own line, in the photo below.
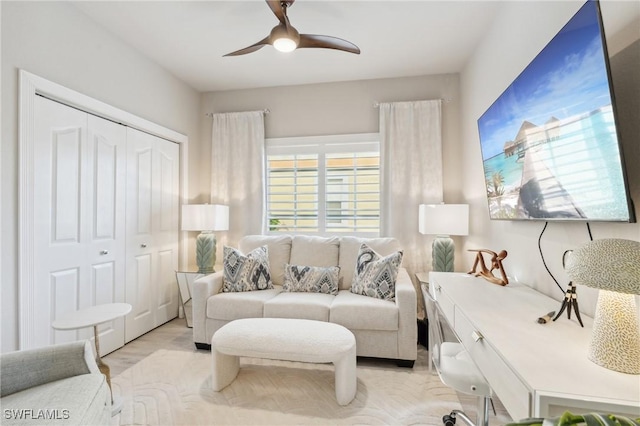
point(443, 220)
point(613, 266)
point(206, 218)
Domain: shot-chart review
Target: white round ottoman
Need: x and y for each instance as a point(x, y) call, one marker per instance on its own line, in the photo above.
point(285, 339)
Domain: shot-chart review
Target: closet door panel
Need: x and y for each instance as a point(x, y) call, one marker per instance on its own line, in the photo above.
point(60, 269)
point(106, 222)
point(152, 231)
point(141, 253)
point(166, 232)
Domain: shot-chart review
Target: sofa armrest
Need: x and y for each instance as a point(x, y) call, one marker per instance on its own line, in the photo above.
point(22, 370)
point(406, 300)
point(203, 288)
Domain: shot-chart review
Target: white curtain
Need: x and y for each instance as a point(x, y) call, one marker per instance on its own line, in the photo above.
point(411, 174)
point(237, 172)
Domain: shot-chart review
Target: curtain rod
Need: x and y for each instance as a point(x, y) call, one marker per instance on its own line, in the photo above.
point(376, 104)
point(264, 111)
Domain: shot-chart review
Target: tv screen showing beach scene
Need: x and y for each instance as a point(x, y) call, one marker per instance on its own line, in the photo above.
point(549, 143)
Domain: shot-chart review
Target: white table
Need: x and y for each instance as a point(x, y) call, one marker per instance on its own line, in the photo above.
point(536, 370)
point(185, 281)
point(92, 317)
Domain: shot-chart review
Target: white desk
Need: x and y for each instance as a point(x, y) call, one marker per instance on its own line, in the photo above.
point(92, 317)
point(537, 370)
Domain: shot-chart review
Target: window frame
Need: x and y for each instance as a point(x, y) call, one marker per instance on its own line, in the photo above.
point(320, 145)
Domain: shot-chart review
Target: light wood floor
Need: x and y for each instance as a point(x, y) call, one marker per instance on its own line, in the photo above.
point(175, 335)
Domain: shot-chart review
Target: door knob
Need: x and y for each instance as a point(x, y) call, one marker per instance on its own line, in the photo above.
point(143, 245)
point(103, 252)
point(477, 336)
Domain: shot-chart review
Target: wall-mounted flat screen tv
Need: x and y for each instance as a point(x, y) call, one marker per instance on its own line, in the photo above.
point(550, 145)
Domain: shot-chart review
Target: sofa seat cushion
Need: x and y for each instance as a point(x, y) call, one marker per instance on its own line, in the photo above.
point(313, 306)
point(232, 306)
point(77, 400)
point(357, 312)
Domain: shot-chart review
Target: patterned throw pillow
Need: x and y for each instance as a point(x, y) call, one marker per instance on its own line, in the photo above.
point(311, 279)
point(246, 272)
point(375, 276)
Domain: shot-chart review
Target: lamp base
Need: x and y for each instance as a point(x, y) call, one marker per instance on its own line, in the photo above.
point(206, 252)
point(442, 254)
point(615, 338)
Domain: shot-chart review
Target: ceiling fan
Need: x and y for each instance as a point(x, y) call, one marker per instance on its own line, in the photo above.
point(285, 38)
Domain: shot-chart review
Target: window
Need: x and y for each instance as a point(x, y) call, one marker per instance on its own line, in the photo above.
point(324, 184)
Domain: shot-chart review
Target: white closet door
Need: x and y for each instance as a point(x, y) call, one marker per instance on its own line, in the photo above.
point(78, 220)
point(152, 231)
point(166, 233)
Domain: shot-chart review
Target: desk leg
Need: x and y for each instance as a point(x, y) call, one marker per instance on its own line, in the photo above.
point(116, 406)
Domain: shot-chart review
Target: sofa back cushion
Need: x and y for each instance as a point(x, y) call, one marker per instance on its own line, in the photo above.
point(349, 249)
point(279, 248)
point(309, 250)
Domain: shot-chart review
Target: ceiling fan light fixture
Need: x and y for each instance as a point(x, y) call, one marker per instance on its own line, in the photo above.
point(285, 38)
point(285, 44)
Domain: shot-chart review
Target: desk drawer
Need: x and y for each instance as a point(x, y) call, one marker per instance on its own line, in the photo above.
point(444, 302)
point(515, 396)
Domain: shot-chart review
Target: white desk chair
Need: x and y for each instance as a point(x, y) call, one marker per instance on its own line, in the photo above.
point(454, 366)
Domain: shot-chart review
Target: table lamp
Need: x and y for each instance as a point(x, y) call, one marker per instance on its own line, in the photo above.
point(443, 220)
point(205, 218)
point(613, 266)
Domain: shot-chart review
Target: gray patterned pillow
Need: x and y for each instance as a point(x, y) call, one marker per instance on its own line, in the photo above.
point(246, 272)
point(375, 276)
point(312, 279)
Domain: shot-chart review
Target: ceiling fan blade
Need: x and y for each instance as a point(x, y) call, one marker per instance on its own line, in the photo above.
point(249, 49)
point(327, 42)
point(279, 10)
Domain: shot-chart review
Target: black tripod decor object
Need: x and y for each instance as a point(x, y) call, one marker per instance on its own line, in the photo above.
point(570, 301)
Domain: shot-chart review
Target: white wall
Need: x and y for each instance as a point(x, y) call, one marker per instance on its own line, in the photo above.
point(518, 33)
point(342, 108)
point(56, 41)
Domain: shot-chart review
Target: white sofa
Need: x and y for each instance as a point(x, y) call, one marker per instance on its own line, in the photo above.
point(383, 328)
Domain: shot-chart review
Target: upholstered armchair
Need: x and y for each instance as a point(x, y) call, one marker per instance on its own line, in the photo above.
point(58, 384)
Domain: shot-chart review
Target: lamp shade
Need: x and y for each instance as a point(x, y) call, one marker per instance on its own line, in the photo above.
point(613, 266)
point(443, 219)
point(205, 217)
point(608, 264)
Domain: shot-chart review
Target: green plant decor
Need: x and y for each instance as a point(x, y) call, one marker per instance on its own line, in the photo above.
point(273, 224)
point(590, 419)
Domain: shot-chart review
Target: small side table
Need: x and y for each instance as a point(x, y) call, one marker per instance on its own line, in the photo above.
point(94, 316)
point(185, 281)
point(423, 278)
point(423, 324)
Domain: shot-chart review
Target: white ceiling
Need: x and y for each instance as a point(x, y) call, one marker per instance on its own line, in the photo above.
point(397, 38)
